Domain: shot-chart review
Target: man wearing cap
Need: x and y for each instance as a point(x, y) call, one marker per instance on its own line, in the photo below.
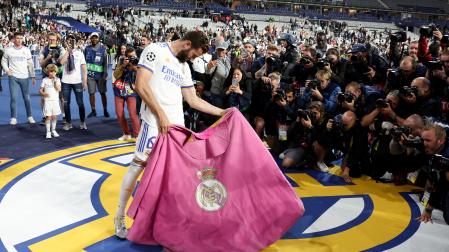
point(366, 67)
point(97, 72)
point(290, 55)
point(246, 58)
point(219, 68)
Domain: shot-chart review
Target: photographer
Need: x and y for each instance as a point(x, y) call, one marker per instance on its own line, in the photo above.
point(290, 55)
point(408, 70)
point(51, 54)
point(349, 137)
point(123, 87)
point(305, 69)
point(421, 99)
point(246, 58)
point(74, 77)
point(338, 67)
point(268, 64)
point(302, 138)
point(321, 45)
point(385, 109)
point(359, 99)
point(366, 67)
point(437, 149)
point(322, 90)
point(438, 74)
point(263, 93)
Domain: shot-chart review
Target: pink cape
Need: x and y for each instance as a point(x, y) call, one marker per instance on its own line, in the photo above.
point(246, 205)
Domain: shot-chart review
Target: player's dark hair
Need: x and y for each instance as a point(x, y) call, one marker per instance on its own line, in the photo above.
point(198, 39)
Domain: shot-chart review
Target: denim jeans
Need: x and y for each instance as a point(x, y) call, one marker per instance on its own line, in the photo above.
point(25, 88)
point(67, 92)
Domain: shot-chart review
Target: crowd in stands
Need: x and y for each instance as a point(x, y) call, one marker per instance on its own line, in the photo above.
point(314, 92)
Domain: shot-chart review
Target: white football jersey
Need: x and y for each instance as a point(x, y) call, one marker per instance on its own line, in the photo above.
point(169, 76)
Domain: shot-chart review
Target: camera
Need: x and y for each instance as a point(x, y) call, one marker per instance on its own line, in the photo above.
point(305, 61)
point(313, 84)
point(134, 60)
point(408, 91)
point(337, 123)
point(274, 64)
point(445, 39)
point(439, 163)
point(427, 30)
point(54, 52)
point(381, 103)
point(396, 133)
point(417, 143)
point(394, 74)
point(322, 63)
point(356, 58)
point(434, 65)
point(345, 97)
point(398, 37)
point(305, 114)
point(280, 95)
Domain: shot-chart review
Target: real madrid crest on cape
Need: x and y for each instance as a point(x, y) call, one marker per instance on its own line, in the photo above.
point(210, 194)
point(218, 190)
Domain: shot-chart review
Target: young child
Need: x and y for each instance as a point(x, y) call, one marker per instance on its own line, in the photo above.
point(50, 88)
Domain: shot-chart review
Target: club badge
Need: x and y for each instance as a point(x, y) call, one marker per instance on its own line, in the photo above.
point(210, 194)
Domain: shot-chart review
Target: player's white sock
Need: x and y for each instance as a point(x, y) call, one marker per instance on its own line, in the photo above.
point(47, 125)
point(53, 125)
point(128, 184)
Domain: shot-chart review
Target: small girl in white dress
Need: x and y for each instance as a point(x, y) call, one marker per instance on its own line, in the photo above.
point(50, 88)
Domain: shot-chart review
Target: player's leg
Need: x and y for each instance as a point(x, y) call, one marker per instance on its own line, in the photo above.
point(144, 144)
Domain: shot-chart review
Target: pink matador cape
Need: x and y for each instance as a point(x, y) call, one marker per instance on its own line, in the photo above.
point(219, 190)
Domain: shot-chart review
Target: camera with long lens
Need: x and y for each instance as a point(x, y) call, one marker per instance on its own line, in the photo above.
point(274, 64)
point(445, 39)
point(279, 96)
point(398, 37)
point(394, 74)
point(396, 133)
point(322, 63)
point(381, 103)
point(305, 114)
point(427, 30)
point(417, 143)
point(356, 58)
point(439, 163)
point(434, 65)
point(407, 91)
point(305, 61)
point(345, 97)
point(313, 84)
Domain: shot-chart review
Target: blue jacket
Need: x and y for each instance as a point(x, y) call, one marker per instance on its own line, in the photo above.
point(329, 94)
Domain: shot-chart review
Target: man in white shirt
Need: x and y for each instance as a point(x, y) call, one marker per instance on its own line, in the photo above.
point(163, 80)
point(18, 64)
point(74, 77)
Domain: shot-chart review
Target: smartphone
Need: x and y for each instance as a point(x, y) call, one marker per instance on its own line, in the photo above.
point(244, 53)
point(214, 56)
point(235, 83)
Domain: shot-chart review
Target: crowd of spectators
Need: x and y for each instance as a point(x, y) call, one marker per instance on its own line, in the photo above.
point(314, 92)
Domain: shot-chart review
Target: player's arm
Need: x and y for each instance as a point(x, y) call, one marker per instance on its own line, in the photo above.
point(199, 104)
point(144, 90)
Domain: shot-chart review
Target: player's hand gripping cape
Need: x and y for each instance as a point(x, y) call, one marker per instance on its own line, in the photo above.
point(219, 190)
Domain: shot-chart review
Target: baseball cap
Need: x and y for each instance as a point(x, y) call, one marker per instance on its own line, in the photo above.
point(94, 34)
point(357, 48)
point(222, 45)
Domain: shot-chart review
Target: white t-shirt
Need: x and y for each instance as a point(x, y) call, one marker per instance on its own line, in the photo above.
point(17, 61)
point(200, 63)
point(74, 77)
point(169, 76)
point(49, 88)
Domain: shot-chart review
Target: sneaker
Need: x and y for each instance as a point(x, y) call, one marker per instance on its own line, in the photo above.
point(64, 121)
point(67, 126)
point(83, 126)
point(55, 134)
point(106, 114)
point(124, 138)
point(120, 227)
point(92, 114)
point(322, 166)
point(48, 135)
point(13, 121)
point(31, 120)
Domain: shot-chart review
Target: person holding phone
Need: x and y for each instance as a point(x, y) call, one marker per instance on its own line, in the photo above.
point(239, 93)
point(219, 68)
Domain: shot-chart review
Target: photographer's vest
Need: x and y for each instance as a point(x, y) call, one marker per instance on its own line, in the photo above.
point(95, 61)
point(60, 67)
